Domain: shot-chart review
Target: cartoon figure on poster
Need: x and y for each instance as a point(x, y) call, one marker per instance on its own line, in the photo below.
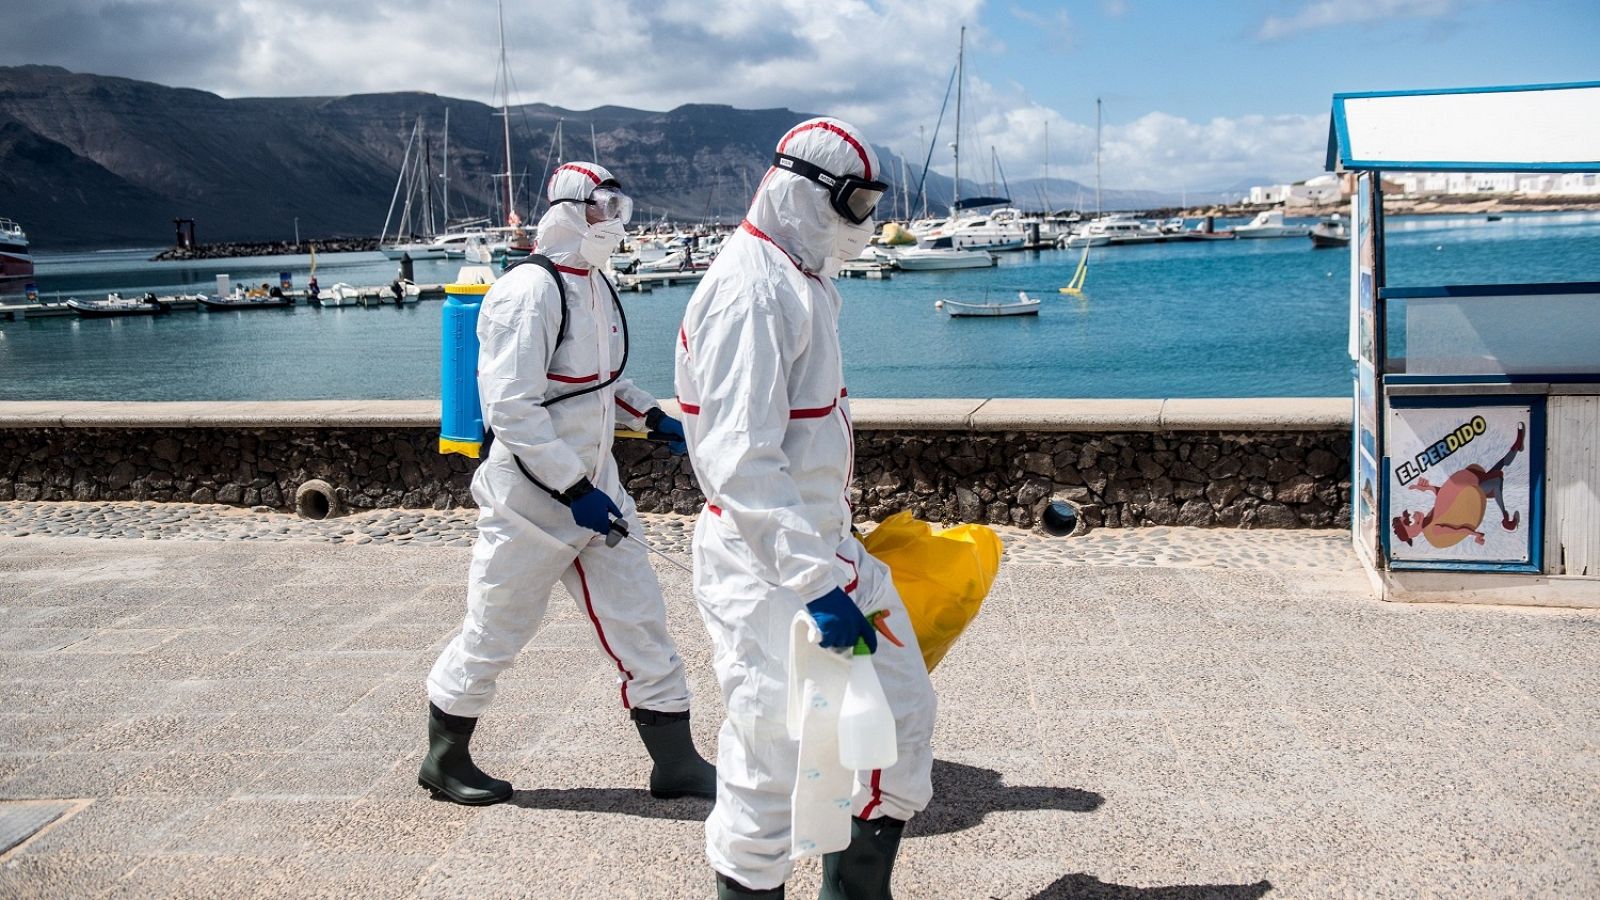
point(1463, 493)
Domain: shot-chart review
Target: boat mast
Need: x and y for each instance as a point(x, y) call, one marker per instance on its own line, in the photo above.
point(505, 117)
point(444, 175)
point(593, 144)
point(955, 146)
point(922, 138)
point(1097, 209)
point(405, 165)
point(1047, 165)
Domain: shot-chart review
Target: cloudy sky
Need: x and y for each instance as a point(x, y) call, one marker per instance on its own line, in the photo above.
point(1197, 95)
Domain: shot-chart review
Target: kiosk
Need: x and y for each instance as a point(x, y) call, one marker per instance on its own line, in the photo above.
point(1476, 457)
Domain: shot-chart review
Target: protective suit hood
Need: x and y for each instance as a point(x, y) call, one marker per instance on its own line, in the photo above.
point(562, 227)
point(794, 211)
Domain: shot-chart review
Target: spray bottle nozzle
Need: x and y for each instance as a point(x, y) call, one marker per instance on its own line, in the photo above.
point(877, 620)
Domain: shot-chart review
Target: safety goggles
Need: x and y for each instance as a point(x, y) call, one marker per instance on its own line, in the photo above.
point(612, 203)
point(852, 196)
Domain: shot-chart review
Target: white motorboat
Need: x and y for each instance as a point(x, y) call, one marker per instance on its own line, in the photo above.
point(955, 309)
point(414, 249)
point(1270, 224)
point(1114, 230)
point(998, 231)
point(1331, 232)
point(340, 294)
point(1053, 228)
point(117, 305)
point(924, 259)
point(1083, 237)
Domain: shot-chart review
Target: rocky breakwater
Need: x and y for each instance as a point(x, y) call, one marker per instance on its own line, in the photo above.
point(237, 249)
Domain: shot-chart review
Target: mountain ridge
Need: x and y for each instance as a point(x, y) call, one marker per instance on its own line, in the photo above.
point(92, 161)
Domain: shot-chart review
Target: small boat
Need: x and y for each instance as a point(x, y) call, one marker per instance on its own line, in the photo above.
point(340, 294)
point(1025, 306)
point(1331, 232)
point(1207, 231)
point(398, 292)
point(243, 300)
point(1270, 224)
point(920, 259)
point(1493, 218)
point(117, 305)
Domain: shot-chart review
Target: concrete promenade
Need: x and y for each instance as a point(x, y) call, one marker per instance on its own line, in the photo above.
point(226, 703)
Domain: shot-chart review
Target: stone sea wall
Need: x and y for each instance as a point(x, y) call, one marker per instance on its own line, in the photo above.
point(1118, 475)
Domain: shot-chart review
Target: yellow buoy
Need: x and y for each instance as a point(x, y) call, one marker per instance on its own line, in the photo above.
point(1075, 287)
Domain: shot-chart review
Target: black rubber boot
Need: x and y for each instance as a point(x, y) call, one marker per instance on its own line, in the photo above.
point(862, 870)
point(728, 889)
point(448, 769)
point(680, 770)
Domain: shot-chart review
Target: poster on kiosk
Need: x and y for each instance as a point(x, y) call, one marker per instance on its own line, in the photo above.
point(1462, 486)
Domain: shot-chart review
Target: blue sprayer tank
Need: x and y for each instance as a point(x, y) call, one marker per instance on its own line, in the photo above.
point(460, 413)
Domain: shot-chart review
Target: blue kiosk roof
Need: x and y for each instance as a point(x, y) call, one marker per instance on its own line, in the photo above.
point(1520, 128)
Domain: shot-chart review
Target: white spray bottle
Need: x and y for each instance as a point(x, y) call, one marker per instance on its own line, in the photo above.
point(866, 724)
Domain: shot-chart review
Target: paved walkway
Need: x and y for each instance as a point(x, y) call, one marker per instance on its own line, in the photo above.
point(1161, 714)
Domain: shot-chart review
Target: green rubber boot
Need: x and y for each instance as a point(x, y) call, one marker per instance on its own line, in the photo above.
point(680, 770)
point(728, 889)
point(862, 870)
point(448, 770)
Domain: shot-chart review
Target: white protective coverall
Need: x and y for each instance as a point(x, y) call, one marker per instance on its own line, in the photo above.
point(761, 383)
point(526, 539)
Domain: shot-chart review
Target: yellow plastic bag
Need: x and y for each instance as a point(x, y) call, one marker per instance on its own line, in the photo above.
point(942, 576)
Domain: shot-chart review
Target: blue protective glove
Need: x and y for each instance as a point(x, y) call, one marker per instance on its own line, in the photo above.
point(841, 621)
point(665, 428)
point(591, 508)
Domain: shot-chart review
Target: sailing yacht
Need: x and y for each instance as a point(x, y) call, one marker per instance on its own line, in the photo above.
point(413, 236)
point(967, 232)
point(1270, 224)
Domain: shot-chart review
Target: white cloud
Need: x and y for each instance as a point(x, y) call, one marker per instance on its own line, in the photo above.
point(1330, 13)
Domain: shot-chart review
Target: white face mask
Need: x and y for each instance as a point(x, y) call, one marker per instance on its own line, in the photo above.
point(851, 239)
point(601, 240)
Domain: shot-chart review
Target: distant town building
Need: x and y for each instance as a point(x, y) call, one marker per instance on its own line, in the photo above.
point(1313, 191)
point(1424, 184)
point(1326, 189)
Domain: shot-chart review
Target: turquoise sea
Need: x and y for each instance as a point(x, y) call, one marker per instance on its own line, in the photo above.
point(1219, 319)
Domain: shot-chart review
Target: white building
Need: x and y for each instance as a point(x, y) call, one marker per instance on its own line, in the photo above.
point(1579, 183)
point(1426, 184)
point(1266, 195)
point(1321, 189)
point(1314, 191)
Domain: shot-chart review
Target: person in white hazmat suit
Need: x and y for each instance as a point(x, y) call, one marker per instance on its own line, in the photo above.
point(761, 384)
point(551, 384)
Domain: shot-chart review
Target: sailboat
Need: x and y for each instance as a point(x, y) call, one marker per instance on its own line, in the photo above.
point(960, 232)
point(519, 241)
point(415, 182)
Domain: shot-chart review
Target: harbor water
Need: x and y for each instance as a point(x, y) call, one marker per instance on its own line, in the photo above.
point(1244, 318)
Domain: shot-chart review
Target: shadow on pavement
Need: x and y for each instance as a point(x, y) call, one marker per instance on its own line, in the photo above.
point(620, 801)
point(963, 795)
point(1087, 887)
